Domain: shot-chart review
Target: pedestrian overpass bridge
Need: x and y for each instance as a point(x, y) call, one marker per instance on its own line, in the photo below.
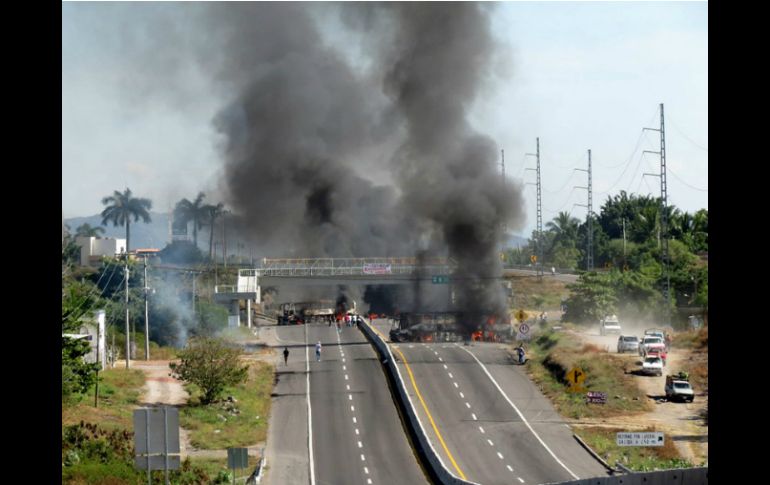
point(332, 271)
point(326, 271)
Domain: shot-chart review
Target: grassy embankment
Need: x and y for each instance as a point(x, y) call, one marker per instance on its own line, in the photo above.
point(555, 353)
point(97, 443)
point(231, 424)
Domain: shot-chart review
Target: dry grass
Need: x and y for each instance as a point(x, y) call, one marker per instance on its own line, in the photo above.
point(641, 458)
point(119, 392)
point(553, 355)
point(537, 294)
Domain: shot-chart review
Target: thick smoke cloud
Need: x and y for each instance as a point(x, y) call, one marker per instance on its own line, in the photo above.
point(303, 127)
point(302, 117)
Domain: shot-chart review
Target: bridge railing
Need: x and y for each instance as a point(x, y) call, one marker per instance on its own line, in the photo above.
point(351, 267)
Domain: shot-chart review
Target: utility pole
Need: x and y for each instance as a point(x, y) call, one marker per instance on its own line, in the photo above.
point(663, 207)
point(146, 314)
point(589, 217)
point(128, 340)
point(539, 236)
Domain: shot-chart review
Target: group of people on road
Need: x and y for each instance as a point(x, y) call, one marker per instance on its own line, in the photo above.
point(317, 353)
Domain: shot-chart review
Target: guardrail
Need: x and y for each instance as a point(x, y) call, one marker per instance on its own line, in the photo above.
point(678, 476)
point(430, 458)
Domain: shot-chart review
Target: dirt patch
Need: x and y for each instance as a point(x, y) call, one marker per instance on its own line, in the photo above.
point(684, 423)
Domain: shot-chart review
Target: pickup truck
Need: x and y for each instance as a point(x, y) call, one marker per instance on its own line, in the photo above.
point(678, 387)
point(609, 325)
point(651, 343)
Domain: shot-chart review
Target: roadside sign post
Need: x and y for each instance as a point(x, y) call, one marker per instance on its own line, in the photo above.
point(440, 280)
point(156, 440)
point(640, 439)
point(596, 397)
point(575, 377)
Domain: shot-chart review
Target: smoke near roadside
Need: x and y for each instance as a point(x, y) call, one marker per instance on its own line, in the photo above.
point(332, 154)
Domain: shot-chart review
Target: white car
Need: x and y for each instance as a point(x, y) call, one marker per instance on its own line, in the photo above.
point(652, 366)
point(609, 325)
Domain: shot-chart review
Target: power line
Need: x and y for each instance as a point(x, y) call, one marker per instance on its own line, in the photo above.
point(685, 183)
point(685, 136)
point(562, 187)
point(565, 203)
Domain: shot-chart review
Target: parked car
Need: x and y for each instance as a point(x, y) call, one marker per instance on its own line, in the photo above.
point(609, 325)
point(651, 343)
point(678, 387)
point(628, 343)
point(652, 366)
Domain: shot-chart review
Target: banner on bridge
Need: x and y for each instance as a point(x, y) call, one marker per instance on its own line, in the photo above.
point(377, 268)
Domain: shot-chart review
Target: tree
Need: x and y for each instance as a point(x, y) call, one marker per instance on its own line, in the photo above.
point(194, 211)
point(85, 230)
point(77, 301)
point(565, 229)
point(70, 252)
point(121, 207)
point(214, 211)
point(211, 365)
point(592, 299)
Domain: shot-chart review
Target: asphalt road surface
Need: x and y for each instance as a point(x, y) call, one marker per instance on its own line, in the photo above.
point(357, 435)
point(495, 426)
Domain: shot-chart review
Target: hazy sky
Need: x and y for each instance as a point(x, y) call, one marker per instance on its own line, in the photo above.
point(578, 75)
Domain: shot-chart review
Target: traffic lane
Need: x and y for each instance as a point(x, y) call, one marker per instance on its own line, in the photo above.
point(287, 450)
point(465, 449)
point(383, 325)
point(335, 453)
point(496, 447)
point(388, 452)
point(529, 454)
point(536, 409)
point(357, 435)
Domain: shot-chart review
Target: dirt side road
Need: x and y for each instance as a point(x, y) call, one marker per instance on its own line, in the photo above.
point(682, 422)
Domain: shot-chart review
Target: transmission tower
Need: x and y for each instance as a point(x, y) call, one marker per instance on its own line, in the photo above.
point(589, 216)
point(663, 207)
point(539, 231)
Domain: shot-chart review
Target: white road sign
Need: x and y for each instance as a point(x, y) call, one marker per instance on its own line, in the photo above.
point(640, 439)
point(524, 328)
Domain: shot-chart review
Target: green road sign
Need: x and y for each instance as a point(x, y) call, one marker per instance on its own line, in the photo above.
point(440, 280)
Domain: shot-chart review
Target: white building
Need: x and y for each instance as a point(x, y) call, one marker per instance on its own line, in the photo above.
point(93, 248)
point(94, 333)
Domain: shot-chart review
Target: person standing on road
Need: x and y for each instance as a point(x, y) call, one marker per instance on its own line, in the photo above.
point(286, 356)
point(318, 351)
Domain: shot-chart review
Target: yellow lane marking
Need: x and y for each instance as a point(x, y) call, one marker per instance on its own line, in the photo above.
point(425, 407)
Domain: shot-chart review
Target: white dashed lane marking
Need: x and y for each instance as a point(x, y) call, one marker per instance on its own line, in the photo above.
point(500, 455)
point(490, 443)
point(467, 405)
point(481, 429)
point(509, 467)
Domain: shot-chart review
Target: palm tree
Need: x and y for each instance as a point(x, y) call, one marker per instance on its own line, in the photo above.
point(121, 207)
point(214, 211)
point(564, 227)
point(193, 211)
point(85, 230)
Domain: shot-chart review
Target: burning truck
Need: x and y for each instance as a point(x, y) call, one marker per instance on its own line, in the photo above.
point(450, 327)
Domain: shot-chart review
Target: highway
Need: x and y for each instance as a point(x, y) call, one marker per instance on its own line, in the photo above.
point(495, 426)
point(357, 436)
